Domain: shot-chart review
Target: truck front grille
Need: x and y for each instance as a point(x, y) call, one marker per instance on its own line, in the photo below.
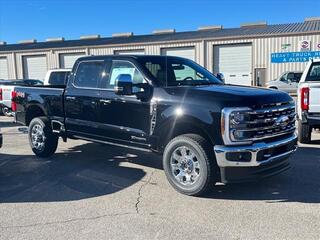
point(266, 122)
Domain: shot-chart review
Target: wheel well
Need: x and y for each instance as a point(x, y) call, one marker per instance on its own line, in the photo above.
point(273, 87)
point(180, 129)
point(33, 112)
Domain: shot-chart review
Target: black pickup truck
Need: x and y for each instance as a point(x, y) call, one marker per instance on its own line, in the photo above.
point(207, 131)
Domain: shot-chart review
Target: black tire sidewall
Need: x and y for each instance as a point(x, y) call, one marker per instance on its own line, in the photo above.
point(193, 145)
point(51, 140)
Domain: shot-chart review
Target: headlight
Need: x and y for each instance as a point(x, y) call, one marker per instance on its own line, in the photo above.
point(233, 119)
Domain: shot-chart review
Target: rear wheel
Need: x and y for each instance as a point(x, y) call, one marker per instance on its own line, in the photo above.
point(304, 132)
point(42, 141)
point(189, 164)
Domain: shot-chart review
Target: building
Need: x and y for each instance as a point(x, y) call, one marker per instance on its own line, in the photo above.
point(249, 55)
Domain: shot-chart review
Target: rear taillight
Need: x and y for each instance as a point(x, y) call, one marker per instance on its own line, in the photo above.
point(13, 99)
point(0, 94)
point(304, 93)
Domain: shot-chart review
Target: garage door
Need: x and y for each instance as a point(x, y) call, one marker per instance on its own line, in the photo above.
point(68, 59)
point(179, 52)
point(235, 62)
point(4, 68)
point(133, 52)
point(34, 67)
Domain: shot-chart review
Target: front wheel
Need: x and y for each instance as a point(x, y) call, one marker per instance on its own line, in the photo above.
point(189, 164)
point(42, 141)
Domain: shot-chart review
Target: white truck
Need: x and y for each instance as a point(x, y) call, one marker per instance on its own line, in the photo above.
point(57, 76)
point(308, 104)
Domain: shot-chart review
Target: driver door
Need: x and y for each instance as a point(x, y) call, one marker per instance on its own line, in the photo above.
point(125, 119)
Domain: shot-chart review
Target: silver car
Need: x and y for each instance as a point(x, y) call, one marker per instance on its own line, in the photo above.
point(287, 82)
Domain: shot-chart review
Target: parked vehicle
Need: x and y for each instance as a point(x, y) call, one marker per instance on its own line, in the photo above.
point(1, 139)
point(205, 130)
point(57, 77)
point(6, 89)
point(309, 101)
point(287, 82)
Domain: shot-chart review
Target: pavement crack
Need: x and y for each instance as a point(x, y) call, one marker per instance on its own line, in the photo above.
point(140, 191)
point(66, 221)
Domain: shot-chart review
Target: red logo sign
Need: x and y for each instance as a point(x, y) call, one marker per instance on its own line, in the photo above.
point(318, 45)
point(304, 44)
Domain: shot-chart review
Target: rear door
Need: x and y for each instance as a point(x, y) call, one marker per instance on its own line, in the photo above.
point(313, 80)
point(82, 98)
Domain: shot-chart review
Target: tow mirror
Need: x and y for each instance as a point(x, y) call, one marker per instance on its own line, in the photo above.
point(124, 85)
point(220, 76)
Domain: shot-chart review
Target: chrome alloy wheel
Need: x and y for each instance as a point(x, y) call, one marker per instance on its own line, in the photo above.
point(37, 137)
point(185, 166)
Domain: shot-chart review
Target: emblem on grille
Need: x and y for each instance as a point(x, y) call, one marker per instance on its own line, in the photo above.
point(282, 121)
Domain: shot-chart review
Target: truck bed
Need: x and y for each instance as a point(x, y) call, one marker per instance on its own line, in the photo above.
point(48, 99)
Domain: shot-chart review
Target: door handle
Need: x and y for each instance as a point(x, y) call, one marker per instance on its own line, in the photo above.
point(104, 101)
point(70, 98)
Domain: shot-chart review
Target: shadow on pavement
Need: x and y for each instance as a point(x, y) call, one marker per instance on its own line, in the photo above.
point(8, 122)
point(84, 171)
point(91, 170)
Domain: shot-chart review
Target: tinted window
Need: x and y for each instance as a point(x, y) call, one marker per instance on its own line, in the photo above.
point(177, 71)
point(89, 74)
point(314, 73)
point(58, 78)
point(124, 67)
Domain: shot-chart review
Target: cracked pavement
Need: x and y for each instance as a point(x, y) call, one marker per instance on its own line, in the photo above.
point(91, 191)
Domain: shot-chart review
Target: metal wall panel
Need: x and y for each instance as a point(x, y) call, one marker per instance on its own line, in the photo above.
point(35, 67)
point(4, 72)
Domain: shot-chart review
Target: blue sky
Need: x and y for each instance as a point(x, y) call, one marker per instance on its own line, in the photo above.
point(41, 19)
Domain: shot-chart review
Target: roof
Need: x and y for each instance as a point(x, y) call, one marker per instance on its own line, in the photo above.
point(249, 31)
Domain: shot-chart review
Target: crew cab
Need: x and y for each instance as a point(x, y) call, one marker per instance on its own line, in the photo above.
point(309, 101)
point(207, 131)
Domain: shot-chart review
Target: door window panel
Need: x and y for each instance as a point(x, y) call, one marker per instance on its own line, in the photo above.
point(89, 74)
point(124, 67)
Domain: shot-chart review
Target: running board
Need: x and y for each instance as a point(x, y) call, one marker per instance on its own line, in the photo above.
point(114, 144)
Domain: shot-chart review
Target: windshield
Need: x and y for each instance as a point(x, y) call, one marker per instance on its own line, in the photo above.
point(174, 71)
point(314, 72)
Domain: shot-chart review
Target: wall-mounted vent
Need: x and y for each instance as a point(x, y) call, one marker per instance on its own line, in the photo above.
point(254, 24)
point(310, 19)
point(90, 37)
point(212, 27)
point(3, 43)
point(164, 31)
point(125, 34)
point(58, 39)
point(28, 41)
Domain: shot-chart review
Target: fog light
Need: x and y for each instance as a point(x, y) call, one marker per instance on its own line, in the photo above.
point(238, 156)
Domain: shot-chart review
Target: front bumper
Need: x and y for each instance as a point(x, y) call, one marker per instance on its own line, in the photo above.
point(266, 159)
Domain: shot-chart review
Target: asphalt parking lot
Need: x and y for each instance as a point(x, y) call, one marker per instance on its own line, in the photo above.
point(90, 191)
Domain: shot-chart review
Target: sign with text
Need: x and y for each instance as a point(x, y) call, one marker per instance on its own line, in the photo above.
point(287, 57)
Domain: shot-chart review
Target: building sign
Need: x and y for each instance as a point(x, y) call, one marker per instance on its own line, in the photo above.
point(305, 45)
point(285, 46)
point(287, 57)
point(318, 46)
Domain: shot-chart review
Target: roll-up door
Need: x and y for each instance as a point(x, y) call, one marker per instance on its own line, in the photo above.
point(34, 67)
point(4, 68)
point(235, 62)
point(180, 52)
point(68, 59)
point(129, 52)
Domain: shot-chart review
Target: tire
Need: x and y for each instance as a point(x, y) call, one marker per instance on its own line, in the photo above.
point(200, 172)
point(42, 141)
point(304, 132)
point(7, 112)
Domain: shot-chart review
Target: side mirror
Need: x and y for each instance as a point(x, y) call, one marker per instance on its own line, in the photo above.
point(124, 85)
point(220, 76)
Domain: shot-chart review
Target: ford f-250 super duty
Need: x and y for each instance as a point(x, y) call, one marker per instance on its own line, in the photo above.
point(207, 131)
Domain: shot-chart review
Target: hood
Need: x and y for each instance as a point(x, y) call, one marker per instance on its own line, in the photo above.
point(233, 95)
